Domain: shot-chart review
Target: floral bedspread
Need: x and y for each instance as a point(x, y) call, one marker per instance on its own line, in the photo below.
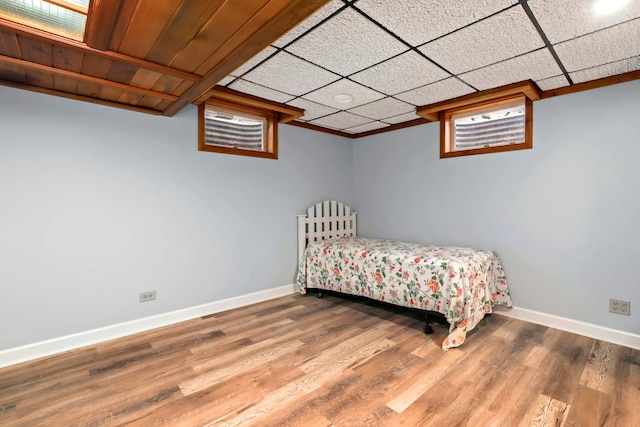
point(462, 283)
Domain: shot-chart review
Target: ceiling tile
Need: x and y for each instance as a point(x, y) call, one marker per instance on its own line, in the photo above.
point(286, 73)
point(347, 43)
point(401, 118)
point(312, 110)
point(383, 108)
point(604, 46)
point(340, 120)
point(361, 95)
point(307, 24)
point(494, 39)
point(366, 127)
point(260, 91)
point(399, 74)
point(619, 67)
point(420, 21)
point(536, 65)
point(254, 61)
point(563, 20)
point(552, 82)
point(436, 92)
point(226, 81)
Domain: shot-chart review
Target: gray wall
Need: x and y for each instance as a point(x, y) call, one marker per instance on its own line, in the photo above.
point(98, 204)
point(564, 217)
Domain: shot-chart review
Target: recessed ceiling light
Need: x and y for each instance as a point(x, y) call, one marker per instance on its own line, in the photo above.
point(604, 7)
point(343, 98)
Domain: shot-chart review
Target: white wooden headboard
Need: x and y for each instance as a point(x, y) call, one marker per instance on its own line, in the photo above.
point(325, 220)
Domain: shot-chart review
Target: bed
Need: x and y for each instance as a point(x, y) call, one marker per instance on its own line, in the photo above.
point(462, 284)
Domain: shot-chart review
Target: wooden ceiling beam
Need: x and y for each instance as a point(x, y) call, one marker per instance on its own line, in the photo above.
point(43, 36)
point(101, 20)
point(78, 97)
point(82, 77)
point(289, 17)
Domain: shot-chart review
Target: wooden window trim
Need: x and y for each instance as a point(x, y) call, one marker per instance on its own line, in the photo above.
point(446, 150)
point(271, 131)
point(243, 103)
point(442, 111)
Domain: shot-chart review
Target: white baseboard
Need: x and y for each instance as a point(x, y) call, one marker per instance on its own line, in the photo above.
point(25, 353)
point(574, 326)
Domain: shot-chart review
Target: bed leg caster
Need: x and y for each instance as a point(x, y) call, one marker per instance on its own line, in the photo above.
point(427, 328)
point(319, 295)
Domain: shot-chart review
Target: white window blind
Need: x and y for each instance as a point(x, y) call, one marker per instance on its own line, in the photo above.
point(492, 133)
point(490, 126)
point(226, 128)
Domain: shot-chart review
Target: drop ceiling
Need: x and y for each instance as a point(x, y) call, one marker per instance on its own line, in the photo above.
point(393, 56)
point(388, 56)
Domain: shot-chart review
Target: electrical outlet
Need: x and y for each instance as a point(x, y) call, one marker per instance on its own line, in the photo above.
point(619, 306)
point(147, 296)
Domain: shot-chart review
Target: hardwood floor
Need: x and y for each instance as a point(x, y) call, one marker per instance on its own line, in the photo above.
point(303, 361)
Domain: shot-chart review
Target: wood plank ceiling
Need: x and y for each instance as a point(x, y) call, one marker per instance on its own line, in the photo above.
point(154, 56)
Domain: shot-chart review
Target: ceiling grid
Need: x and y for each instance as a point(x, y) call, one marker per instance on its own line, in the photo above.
point(354, 66)
point(390, 57)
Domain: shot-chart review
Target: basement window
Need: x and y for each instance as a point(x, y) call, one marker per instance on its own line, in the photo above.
point(237, 129)
point(233, 122)
point(65, 18)
point(490, 121)
point(494, 126)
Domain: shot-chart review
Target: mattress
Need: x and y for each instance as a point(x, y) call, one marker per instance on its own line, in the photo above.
point(463, 284)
